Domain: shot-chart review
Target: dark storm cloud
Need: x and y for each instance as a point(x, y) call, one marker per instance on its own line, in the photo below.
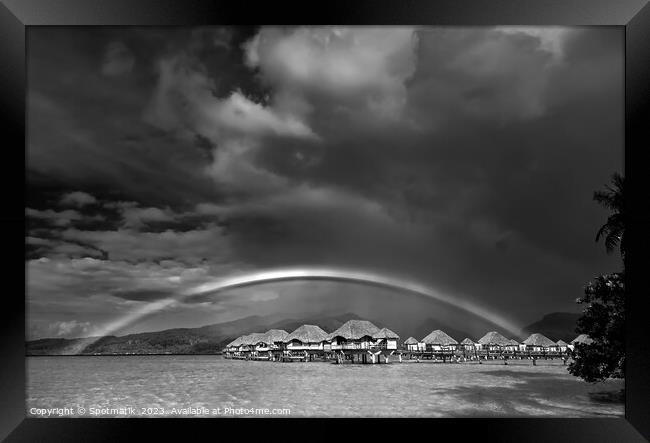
point(145, 295)
point(463, 158)
point(95, 121)
point(505, 135)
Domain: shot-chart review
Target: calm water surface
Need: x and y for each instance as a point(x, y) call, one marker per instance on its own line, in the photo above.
point(315, 389)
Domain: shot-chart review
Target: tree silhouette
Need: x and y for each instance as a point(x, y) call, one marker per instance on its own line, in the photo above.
point(603, 318)
point(613, 231)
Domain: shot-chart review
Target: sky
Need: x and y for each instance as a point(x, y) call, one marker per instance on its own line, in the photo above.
point(463, 159)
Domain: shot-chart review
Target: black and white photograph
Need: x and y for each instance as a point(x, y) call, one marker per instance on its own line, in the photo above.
point(325, 221)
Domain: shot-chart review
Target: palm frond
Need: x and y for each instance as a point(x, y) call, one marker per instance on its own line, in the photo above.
point(612, 198)
point(612, 240)
point(603, 231)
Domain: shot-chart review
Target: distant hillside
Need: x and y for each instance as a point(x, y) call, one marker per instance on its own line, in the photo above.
point(430, 325)
point(208, 339)
point(556, 326)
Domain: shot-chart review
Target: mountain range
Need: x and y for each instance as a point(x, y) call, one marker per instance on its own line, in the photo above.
point(211, 339)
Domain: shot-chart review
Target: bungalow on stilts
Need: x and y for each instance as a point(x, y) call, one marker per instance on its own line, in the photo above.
point(492, 345)
point(537, 346)
point(385, 344)
point(468, 348)
point(270, 345)
point(441, 345)
point(304, 343)
point(353, 341)
point(412, 344)
point(248, 345)
point(538, 343)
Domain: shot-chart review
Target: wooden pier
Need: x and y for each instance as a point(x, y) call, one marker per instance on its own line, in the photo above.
point(384, 356)
point(361, 342)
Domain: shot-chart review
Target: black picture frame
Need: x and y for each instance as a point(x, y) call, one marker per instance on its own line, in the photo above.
point(633, 15)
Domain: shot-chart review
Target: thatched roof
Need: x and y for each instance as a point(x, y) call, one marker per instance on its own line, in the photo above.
point(561, 343)
point(385, 333)
point(239, 341)
point(252, 339)
point(582, 338)
point(410, 341)
point(494, 338)
point(539, 340)
point(439, 337)
point(274, 336)
point(467, 341)
point(307, 334)
point(355, 330)
point(235, 342)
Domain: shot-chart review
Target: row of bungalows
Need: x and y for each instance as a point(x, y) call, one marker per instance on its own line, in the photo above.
point(241, 346)
point(535, 343)
point(309, 340)
point(492, 342)
point(540, 343)
point(562, 346)
point(360, 335)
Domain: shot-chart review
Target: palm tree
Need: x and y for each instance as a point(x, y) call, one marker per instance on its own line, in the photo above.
point(613, 231)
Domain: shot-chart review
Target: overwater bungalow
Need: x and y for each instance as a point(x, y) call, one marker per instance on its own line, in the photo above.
point(538, 343)
point(234, 349)
point(467, 345)
point(271, 340)
point(249, 342)
point(242, 346)
point(385, 339)
point(231, 347)
point(353, 334)
point(235, 343)
point(439, 341)
point(561, 346)
point(493, 341)
point(411, 344)
point(306, 338)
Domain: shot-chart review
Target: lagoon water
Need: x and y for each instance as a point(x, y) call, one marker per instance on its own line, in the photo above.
point(169, 385)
